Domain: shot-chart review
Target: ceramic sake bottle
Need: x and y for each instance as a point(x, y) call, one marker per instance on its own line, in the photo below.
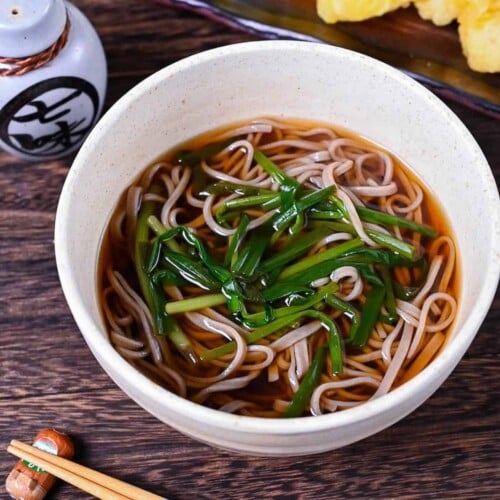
point(52, 78)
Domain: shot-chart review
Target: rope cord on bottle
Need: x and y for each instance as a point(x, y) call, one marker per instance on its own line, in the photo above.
point(22, 65)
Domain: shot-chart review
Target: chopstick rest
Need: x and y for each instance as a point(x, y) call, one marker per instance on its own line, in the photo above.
point(30, 482)
point(86, 479)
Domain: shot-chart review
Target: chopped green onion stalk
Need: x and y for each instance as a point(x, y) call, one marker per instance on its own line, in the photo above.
point(193, 158)
point(369, 316)
point(261, 200)
point(195, 303)
point(235, 241)
point(376, 217)
point(330, 254)
point(289, 187)
point(299, 248)
point(241, 189)
point(390, 299)
point(302, 397)
point(163, 324)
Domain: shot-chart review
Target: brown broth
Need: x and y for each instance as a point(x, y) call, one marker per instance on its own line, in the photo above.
point(433, 215)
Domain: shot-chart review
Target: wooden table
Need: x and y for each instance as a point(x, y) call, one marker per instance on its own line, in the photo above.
point(450, 447)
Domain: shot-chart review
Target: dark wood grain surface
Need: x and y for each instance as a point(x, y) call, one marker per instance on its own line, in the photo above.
point(448, 448)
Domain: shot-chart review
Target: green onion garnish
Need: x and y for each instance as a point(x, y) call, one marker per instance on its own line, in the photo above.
point(302, 397)
point(264, 276)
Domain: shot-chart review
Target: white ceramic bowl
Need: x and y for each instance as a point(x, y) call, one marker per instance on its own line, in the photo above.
point(290, 79)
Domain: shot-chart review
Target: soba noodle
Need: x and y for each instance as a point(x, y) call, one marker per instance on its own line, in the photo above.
point(240, 271)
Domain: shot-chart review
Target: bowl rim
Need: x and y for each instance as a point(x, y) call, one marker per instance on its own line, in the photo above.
point(439, 369)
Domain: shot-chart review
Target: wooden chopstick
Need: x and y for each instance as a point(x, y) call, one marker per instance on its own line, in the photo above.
point(93, 482)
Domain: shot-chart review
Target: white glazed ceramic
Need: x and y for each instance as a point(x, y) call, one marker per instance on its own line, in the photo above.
point(47, 112)
point(291, 79)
